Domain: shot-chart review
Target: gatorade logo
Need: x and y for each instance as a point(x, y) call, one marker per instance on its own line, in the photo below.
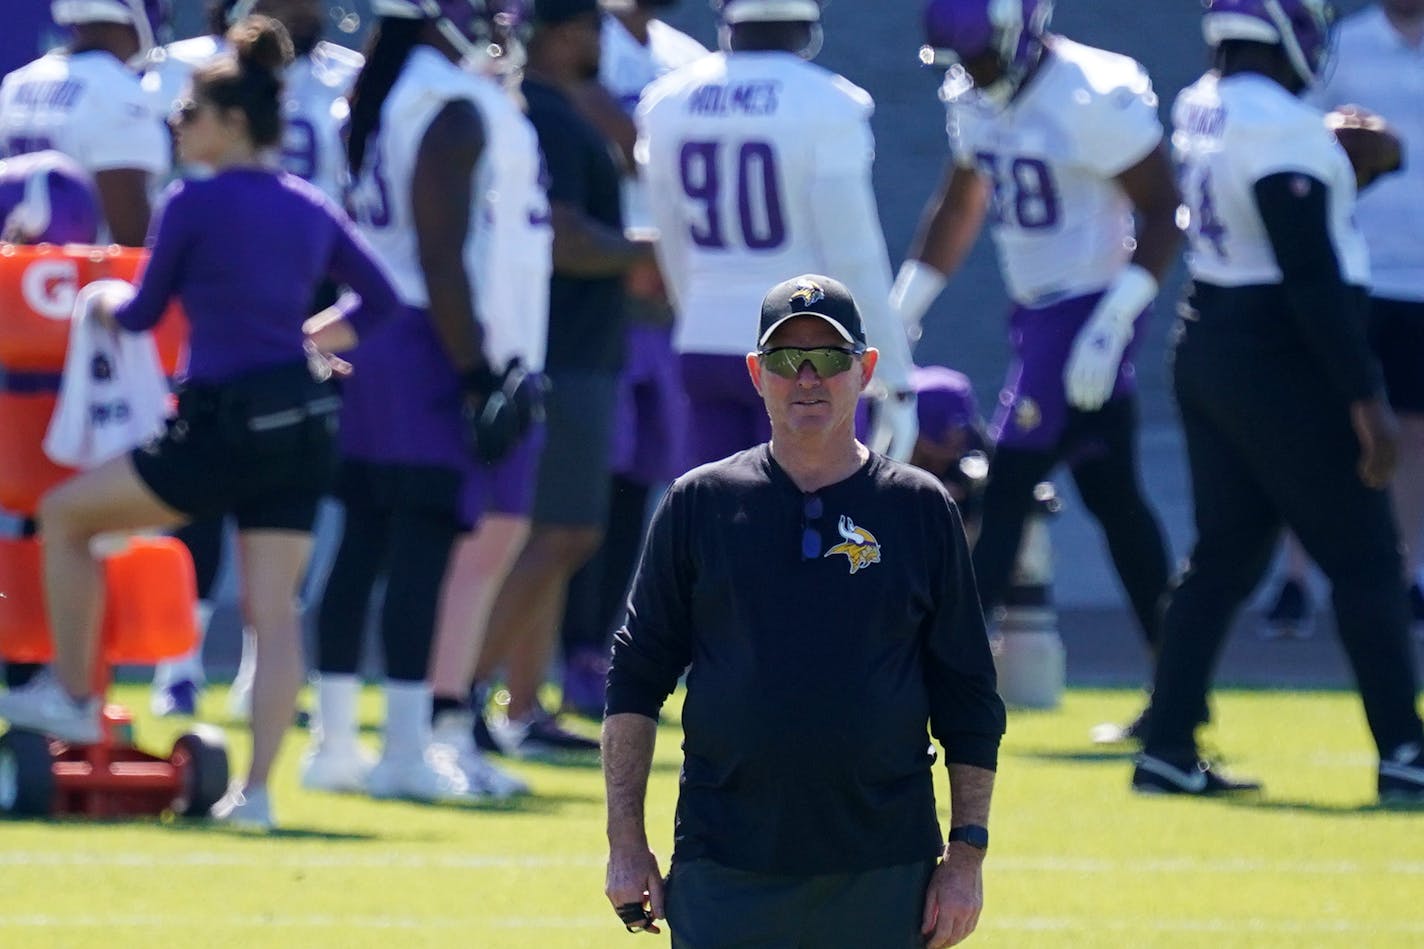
point(49, 287)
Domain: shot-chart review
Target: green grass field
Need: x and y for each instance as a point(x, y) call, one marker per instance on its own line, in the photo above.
point(1077, 859)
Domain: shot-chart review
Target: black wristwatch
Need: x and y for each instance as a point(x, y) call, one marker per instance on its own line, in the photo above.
point(975, 835)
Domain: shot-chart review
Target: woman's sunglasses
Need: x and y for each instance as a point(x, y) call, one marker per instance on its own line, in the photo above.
point(186, 110)
point(827, 361)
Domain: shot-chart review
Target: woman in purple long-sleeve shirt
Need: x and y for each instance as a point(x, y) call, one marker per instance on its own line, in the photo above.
point(244, 250)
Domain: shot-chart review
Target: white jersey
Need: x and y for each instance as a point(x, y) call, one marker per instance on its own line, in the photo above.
point(90, 106)
point(1227, 135)
point(314, 103)
point(758, 168)
point(508, 254)
point(625, 68)
point(1062, 225)
point(1373, 67)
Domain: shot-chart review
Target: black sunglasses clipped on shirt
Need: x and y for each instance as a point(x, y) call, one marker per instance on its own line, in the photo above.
point(811, 511)
point(827, 361)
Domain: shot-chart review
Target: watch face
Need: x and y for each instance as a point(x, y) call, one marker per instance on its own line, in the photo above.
point(971, 834)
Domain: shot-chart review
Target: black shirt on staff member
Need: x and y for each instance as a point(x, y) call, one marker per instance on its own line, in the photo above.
point(829, 628)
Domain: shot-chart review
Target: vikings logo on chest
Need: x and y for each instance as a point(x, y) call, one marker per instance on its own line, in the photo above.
point(859, 545)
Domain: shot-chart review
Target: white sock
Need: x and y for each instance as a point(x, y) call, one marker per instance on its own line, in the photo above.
point(407, 718)
point(334, 724)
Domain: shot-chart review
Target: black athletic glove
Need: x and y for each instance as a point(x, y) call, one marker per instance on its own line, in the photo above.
point(499, 410)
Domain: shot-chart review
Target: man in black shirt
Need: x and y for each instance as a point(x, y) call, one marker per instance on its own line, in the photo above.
point(586, 330)
point(823, 598)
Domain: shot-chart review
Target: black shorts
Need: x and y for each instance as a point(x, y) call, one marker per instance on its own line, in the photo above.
point(261, 448)
point(576, 468)
point(1396, 331)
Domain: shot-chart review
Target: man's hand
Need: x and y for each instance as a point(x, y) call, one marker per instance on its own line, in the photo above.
point(1378, 434)
point(1371, 145)
point(954, 898)
point(634, 885)
point(896, 425)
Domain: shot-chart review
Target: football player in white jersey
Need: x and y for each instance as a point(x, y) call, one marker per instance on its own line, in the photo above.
point(1281, 400)
point(315, 86)
point(85, 100)
point(757, 164)
point(436, 412)
point(650, 427)
point(1378, 66)
point(1056, 145)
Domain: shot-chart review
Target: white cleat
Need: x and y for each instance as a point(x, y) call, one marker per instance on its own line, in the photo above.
point(425, 777)
point(337, 769)
point(454, 740)
point(44, 706)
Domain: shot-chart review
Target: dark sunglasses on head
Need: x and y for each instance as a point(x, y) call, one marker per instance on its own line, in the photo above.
point(827, 361)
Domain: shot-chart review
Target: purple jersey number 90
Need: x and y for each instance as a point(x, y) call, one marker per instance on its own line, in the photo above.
point(751, 173)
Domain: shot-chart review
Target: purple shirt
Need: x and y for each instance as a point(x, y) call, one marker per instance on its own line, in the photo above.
point(246, 252)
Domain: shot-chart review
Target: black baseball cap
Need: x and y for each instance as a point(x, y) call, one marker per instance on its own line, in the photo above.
point(812, 295)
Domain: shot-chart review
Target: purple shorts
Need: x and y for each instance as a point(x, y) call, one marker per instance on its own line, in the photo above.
point(726, 414)
point(401, 404)
point(1033, 408)
point(650, 416)
point(505, 488)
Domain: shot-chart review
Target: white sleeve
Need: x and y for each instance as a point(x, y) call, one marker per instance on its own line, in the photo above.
point(846, 227)
point(1119, 128)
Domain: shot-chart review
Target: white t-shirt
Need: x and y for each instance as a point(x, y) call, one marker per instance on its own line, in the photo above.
point(314, 103)
point(90, 106)
point(1061, 223)
point(758, 169)
point(626, 67)
point(508, 254)
point(1373, 67)
point(1227, 135)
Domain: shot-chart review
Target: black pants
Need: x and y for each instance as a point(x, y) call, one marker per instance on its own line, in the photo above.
point(1270, 445)
point(710, 906)
point(401, 523)
point(598, 592)
point(1100, 449)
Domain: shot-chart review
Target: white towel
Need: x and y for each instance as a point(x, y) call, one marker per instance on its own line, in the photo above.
point(113, 395)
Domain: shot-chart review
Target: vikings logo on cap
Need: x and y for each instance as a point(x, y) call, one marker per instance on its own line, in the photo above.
point(860, 546)
point(807, 293)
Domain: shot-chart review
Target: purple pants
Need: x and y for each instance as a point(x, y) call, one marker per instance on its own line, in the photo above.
point(725, 412)
point(651, 414)
point(1033, 407)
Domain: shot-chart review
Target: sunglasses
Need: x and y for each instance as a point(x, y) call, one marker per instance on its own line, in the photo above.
point(186, 110)
point(811, 511)
point(826, 361)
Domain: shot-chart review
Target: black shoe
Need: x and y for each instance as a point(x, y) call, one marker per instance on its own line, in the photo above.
point(1156, 776)
point(1289, 616)
point(484, 741)
point(1111, 733)
point(1401, 778)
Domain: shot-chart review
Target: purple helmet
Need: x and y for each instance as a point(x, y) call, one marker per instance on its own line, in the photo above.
point(149, 18)
point(480, 30)
point(1300, 27)
point(959, 30)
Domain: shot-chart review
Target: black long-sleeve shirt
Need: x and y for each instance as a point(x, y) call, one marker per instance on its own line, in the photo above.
point(814, 668)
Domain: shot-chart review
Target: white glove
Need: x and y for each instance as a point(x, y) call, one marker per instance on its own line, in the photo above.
point(1091, 371)
point(896, 425)
point(916, 286)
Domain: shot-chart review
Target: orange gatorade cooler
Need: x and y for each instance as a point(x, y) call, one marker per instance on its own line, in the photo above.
point(148, 604)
